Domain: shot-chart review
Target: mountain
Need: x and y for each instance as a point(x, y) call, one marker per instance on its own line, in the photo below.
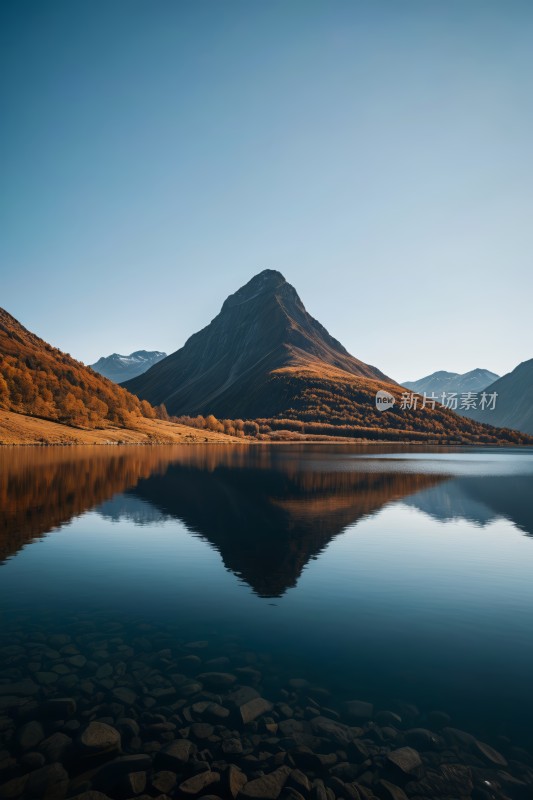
point(120, 368)
point(38, 379)
point(438, 382)
point(265, 358)
point(226, 368)
point(514, 401)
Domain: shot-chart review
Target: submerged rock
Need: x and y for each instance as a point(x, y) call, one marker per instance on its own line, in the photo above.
point(267, 787)
point(98, 737)
point(405, 759)
point(198, 783)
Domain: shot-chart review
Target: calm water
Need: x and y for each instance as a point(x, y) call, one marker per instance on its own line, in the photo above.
point(377, 574)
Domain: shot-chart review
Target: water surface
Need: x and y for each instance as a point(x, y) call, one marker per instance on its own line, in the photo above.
point(388, 574)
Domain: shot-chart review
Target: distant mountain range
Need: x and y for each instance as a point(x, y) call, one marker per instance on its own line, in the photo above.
point(265, 358)
point(514, 401)
point(438, 382)
point(121, 368)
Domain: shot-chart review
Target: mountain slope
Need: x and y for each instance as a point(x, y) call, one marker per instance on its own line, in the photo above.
point(120, 368)
point(514, 403)
point(38, 379)
point(265, 358)
point(225, 368)
point(438, 382)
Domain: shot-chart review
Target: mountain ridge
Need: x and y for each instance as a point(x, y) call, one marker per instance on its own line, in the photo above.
point(262, 327)
point(476, 380)
point(265, 358)
point(514, 406)
point(119, 368)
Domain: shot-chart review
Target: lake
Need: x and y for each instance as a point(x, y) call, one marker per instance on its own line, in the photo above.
point(288, 607)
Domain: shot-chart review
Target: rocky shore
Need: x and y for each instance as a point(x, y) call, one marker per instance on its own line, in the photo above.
point(94, 712)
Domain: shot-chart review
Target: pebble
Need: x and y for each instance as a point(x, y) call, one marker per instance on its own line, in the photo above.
point(98, 737)
point(267, 787)
point(406, 759)
point(175, 755)
point(491, 754)
point(254, 708)
point(30, 735)
point(198, 783)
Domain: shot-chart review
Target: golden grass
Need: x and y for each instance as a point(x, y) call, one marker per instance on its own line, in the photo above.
point(22, 429)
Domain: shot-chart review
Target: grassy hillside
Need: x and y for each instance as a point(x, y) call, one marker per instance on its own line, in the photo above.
point(40, 380)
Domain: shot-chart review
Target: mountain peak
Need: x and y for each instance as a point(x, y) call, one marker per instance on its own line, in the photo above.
point(267, 282)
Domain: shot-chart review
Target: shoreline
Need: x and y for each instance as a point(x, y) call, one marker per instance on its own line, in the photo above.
point(20, 430)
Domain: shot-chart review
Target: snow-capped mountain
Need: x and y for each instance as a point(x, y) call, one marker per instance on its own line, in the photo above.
point(121, 368)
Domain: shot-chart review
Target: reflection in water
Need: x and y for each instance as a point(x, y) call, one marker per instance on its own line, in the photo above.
point(267, 518)
point(267, 510)
point(425, 600)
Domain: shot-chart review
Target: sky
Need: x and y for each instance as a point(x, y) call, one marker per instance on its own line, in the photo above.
point(155, 155)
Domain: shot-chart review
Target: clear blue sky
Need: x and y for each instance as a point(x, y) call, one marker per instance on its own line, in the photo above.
point(155, 155)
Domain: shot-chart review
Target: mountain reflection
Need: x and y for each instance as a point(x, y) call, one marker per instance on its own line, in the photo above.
point(267, 510)
point(268, 523)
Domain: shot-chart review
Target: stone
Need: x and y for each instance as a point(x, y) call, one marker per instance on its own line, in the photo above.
point(389, 791)
point(217, 680)
point(175, 755)
point(388, 718)
point(216, 712)
point(267, 787)
point(120, 769)
point(232, 746)
point(77, 661)
point(33, 760)
point(241, 696)
point(23, 688)
point(98, 737)
point(202, 730)
point(49, 782)
point(299, 781)
point(125, 695)
point(331, 729)
point(164, 781)
point(406, 759)
point(59, 708)
point(359, 710)
point(234, 779)
point(56, 747)
point(46, 678)
point(490, 754)
point(196, 784)
point(128, 727)
point(30, 735)
point(13, 788)
point(451, 780)
point(254, 708)
point(105, 671)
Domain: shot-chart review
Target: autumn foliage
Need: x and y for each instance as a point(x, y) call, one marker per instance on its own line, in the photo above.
point(38, 379)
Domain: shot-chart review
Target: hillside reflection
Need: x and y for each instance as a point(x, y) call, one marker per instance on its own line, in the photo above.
point(267, 510)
